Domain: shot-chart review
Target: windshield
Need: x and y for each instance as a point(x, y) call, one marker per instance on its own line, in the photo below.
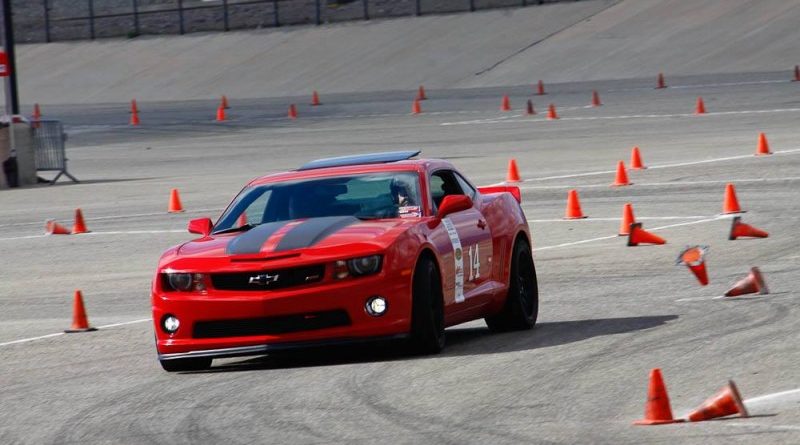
point(365, 196)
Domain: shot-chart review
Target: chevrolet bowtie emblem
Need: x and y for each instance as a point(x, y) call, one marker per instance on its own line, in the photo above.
point(264, 279)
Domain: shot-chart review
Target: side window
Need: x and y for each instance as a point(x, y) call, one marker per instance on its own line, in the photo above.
point(465, 186)
point(443, 183)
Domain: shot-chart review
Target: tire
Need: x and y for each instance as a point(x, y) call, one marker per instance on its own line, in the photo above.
point(186, 364)
point(427, 309)
point(522, 301)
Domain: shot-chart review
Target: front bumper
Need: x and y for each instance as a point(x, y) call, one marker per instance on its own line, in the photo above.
point(232, 307)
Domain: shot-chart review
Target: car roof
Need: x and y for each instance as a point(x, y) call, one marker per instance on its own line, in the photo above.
point(349, 169)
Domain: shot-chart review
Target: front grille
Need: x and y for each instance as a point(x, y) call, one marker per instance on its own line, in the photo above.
point(268, 280)
point(270, 325)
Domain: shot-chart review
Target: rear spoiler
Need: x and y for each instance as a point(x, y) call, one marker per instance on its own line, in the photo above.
point(502, 188)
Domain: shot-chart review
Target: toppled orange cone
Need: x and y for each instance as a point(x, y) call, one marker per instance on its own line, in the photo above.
point(636, 159)
point(513, 172)
point(753, 283)
point(505, 105)
point(175, 205)
point(724, 403)
point(315, 99)
point(80, 322)
point(640, 236)
point(763, 145)
point(742, 230)
point(551, 112)
point(700, 107)
point(292, 114)
point(596, 99)
point(694, 258)
point(660, 81)
point(529, 109)
point(627, 220)
point(657, 410)
point(80, 225)
point(53, 228)
point(416, 108)
point(621, 178)
point(540, 88)
point(421, 93)
point(730, 204)
point(573, 206)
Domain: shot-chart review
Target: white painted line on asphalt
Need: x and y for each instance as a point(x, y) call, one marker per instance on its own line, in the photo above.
point(57, 334)
point(22, 237)
point(703, 85)
point(664, 184)
point(602, 238)
point(132, 215)
point(120, 232)
point(592, 219)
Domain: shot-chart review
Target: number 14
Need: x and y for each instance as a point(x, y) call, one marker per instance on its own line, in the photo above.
point(474, 263)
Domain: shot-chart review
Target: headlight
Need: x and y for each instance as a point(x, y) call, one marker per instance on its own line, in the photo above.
point(357, 267)
point(184, 282)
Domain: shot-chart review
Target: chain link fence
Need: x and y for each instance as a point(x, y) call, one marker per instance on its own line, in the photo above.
point(58, 20)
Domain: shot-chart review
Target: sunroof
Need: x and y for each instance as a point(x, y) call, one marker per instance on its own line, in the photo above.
point(372, 158)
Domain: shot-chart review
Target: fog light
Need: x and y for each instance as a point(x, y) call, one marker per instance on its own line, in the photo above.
point(376, 306)
point(170, 323)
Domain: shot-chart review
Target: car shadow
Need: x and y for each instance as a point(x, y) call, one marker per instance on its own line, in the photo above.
point(460, 342)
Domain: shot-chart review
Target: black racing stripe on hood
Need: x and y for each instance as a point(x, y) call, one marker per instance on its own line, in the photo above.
point(314, 230)
point(252, 240)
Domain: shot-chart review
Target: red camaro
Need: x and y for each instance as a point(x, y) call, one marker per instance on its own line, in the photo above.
point(344, 250)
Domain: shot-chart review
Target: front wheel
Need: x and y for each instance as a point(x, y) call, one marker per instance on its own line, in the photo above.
point(186, 364)
point(427, 309)
point(522, 301)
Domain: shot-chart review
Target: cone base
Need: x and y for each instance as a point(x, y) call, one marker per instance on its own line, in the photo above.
point(575, 217)
point(637, 168)
point(622, 185)
point(78, 232)
point(657, 422)
point(734, 213)
point(75, 331)
point(175, 211)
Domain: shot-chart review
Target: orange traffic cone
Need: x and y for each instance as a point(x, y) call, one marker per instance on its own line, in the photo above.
point(763, 145)
point(242, 221)
point(315, 99)
point(80, 322)
point(749, 285)
point(421, 93)
point(657, 409)
point(223, 102)
point(730, 203)
point(621, 179)
point(134, 116)
point(796, 73)
point(505, 105)
point(551, 112)
point(596, 99)
point(627, 220)
point(540, 88)
point(694, 258)
point(416, 107)
point(292, 112)
point(742, 230)
point(640, 236)
point(636, 160)
point(134, 107)
point(573, 206)
point(724, 403)
point(660, 81)
point(513, 172)
point(174, 202)
point(80, 225)
point(53, 228)
point(700, 108)
point(529, 109)
point(221, 113)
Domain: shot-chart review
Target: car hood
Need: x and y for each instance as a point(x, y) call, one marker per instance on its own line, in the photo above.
point(317, 236)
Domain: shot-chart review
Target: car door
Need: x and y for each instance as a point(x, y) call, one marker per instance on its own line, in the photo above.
point(470, 238)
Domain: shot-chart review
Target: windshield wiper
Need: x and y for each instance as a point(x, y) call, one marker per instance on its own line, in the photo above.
point(243, 228)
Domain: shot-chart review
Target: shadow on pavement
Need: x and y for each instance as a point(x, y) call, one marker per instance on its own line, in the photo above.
point(460, 342)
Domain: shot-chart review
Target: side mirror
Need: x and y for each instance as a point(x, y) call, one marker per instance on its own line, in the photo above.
point(200, 226)
point(454, 203)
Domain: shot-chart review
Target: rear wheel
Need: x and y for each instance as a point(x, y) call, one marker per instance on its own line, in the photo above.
point(427, 309)
point(186, 364)
point(522, 301)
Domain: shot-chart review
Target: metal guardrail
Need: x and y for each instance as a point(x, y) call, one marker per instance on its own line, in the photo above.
point(49, 144)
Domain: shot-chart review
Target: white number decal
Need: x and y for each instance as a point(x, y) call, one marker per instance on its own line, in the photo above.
point(474, 262)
